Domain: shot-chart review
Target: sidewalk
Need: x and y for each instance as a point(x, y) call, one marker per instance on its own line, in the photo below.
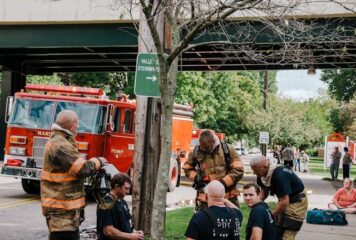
point(320, 194)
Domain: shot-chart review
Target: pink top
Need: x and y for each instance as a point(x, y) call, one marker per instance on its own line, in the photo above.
point(345, 199)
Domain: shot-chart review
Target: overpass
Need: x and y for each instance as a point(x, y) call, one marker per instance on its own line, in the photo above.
point(48, 36)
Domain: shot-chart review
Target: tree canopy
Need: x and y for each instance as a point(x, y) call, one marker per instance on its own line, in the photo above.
point(222, 100)
point(342, 83)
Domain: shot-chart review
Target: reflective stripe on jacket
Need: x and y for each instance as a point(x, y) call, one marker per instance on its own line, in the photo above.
point(63, 173)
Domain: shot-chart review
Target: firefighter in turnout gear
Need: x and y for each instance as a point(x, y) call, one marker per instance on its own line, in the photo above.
point(62, 180)
point(213, 160)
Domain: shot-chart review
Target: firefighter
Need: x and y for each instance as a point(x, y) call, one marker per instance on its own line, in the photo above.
point(62, 180)
point(213, 160)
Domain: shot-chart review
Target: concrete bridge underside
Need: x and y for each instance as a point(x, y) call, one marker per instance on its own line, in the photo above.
point(91, 47)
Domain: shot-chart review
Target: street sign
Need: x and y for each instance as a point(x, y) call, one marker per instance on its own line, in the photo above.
point(147, 75)
point(264, 138)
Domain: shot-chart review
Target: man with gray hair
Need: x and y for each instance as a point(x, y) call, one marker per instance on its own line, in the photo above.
point(62, 180)
point(281, 181)
point(221, 220)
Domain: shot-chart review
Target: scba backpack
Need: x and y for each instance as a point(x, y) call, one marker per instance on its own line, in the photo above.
point(328, 217)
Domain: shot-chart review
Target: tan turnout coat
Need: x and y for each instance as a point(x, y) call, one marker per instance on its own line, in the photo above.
point(62, 181)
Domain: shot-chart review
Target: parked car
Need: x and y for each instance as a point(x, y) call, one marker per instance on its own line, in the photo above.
point(255, 151)
point(241, 151)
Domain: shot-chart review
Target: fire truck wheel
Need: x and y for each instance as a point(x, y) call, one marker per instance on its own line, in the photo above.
point(173, 175)
point(31, 186)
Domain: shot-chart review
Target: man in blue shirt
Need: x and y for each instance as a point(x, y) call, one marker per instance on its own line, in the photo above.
point(221, 220)
point(114, 218)
point(260, 225)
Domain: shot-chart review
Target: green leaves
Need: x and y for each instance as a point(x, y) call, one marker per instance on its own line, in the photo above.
point(287, 121)
point(342, 83)
point(222, 100)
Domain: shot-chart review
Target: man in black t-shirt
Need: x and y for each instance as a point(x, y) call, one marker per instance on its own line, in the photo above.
point(113, 217)
point(260, 225)
point(221, 220)
point(292, 205)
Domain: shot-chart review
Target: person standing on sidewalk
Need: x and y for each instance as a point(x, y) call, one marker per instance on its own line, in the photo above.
point(288, 156)
point(260, 223)
point(305, 159)
point(335, 163)
point(62, 180)
point(296, 159)
point(346, 163)
point(292, 205)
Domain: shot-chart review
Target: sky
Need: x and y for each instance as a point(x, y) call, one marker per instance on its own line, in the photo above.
point(296, 84)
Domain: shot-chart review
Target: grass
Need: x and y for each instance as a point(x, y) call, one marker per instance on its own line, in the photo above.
point(316, 166)
point(177, 221)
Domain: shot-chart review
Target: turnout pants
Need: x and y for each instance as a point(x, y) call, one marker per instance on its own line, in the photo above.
point(63, 225)
point(291, 220)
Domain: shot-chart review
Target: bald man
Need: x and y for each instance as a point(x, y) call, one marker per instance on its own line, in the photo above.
point(221, 220)
point(281, 181)
point(62, 180)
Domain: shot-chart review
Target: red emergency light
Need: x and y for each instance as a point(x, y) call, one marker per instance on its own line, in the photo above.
point(65, 89)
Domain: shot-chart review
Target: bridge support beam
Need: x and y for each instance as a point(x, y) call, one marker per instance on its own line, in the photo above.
point(11, 82)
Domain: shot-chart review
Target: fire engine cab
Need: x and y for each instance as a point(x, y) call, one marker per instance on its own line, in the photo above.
point(106, 129)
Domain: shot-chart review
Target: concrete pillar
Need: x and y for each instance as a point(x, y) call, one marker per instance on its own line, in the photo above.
point(11, 82)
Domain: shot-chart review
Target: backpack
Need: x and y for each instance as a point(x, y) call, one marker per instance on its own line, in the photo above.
point(327, 217)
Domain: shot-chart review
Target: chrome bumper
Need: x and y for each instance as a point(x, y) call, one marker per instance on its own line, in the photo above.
point(21, 172)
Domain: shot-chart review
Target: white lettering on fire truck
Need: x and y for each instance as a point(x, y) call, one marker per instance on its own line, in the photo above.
point(44, 133)
point(117, 151)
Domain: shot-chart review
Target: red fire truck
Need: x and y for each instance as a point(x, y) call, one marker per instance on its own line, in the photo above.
point(106, 128)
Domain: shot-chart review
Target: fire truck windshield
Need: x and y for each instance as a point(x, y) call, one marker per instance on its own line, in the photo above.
point(39, 114)
point(91, 117)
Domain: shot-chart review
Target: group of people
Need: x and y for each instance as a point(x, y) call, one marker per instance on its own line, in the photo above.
point(335, 163)
point(292, 157)
point(214, 167)
point(217, 168)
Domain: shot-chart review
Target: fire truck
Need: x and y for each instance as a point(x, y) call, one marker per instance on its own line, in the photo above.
point(106, 129)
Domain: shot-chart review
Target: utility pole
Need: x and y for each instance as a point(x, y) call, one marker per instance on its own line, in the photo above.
point(147, 140)
point(265, 89)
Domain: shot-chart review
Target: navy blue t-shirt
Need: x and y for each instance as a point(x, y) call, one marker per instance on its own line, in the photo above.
point(284, 182)
point(118, 216)
point(261, 216)
point(226, 224)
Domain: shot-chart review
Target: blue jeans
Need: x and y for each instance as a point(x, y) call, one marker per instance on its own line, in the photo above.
point(334, 170)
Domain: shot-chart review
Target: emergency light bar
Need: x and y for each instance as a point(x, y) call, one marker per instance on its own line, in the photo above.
point(65, 89)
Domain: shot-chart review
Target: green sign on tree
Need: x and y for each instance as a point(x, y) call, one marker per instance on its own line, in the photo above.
point(147, 75)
